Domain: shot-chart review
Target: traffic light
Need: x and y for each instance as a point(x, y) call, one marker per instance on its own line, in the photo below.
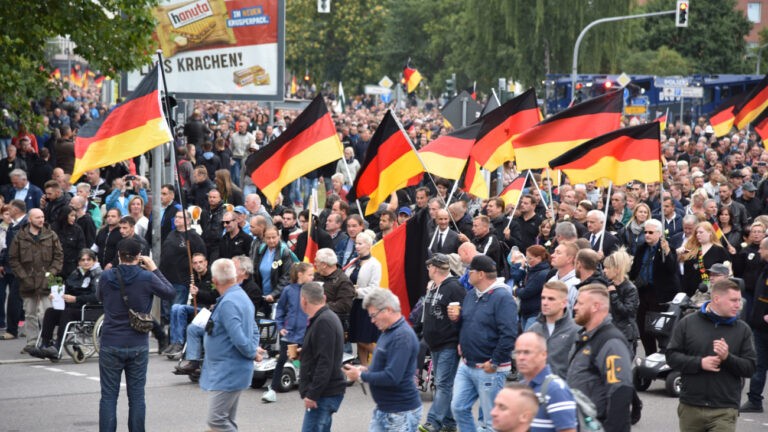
point(681, 13)
point(450, 86)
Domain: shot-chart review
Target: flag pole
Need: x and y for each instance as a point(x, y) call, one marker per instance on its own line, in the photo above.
point(349, 174)
point(418, 156)
point(605, 216)
point(527, 174)
point(551, 201)
point(177, 179)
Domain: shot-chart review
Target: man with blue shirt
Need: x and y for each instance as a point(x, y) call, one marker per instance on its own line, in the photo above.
point(488, 328)
point(558, 410)
point(391, 372)
point(231, 341)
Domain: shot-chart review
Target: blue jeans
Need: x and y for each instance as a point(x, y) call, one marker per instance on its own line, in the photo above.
point(180, 317)
point(470, 385)
point(112, 362)
point(194, 349)
point(319, 419)
point(234, 170)
point(182, 294)
point(295, 192)
point(444, 363)
point(404, 421)
point(3, 285)
point(757, 382)
point(527, 322)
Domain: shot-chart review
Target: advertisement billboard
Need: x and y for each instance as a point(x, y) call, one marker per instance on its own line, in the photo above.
point(220, 49)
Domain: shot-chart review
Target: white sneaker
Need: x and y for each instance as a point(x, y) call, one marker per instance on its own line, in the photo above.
point(269, 396)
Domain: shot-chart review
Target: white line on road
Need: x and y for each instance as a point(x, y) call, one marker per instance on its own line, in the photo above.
point(72, 373)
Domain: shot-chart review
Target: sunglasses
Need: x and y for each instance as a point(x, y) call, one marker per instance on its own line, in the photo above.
point(226, 222)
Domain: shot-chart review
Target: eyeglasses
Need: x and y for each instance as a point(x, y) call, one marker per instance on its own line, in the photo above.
point(374, 315)
point(226, 222)
point(650, 232)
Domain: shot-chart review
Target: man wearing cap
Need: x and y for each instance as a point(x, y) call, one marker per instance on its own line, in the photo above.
point(442, 337)
point(234, 242)
point(488, 328)
point(403, 215)
point(748, 199)
point(716, 272)
point(241, 217)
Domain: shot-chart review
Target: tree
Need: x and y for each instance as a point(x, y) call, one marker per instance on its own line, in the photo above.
point(713, 42)
point(112, 35)
point(664, 61)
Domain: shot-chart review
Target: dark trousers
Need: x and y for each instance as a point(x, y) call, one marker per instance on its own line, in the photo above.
point(647, 304)
point(757, 382)
point(57, 318)
point(15, 309)
point(281, 359)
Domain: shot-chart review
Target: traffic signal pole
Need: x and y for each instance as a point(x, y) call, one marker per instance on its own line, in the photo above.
point(574, 69)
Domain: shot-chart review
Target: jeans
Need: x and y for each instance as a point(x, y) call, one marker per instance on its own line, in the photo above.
point(180, 317)
point(182, 294)
point(15, 306)
point(3, 285)
point(194, 349)
point(444, 363)
point(470, 385)
point(319, 419)
point(527, 322)
point(308, 185)
point(281, 359)
point(222, 410)
point(112, 362)
point(404, 421)
point(757, 382)
point(234, 170)
point(249, 189)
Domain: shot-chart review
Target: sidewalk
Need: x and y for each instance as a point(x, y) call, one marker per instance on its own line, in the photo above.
point(10, 352)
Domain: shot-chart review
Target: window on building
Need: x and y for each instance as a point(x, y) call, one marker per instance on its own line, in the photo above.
point(754, 11)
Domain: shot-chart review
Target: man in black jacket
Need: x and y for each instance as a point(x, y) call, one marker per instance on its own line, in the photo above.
point(321, 382)
point(234, 242)
point(756, 318)
point(713, 351)
point(442, 337)
point(174, 261)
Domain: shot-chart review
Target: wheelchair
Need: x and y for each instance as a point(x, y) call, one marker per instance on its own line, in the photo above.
point(81, 338)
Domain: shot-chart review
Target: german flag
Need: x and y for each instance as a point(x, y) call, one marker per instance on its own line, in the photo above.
point(554, 136)
point(752, 106)
point(761, 125)
point(512, 193)
point(307, 144)
point(56, 74)
point(412, 77)
point(474, 180)
point(723, 117)
point(390, 162)
point(99, 81)
point(402, 254)
point(632, 153)
point(447, 155)
point(662, 119)
point(501, 126)
point(132, 128)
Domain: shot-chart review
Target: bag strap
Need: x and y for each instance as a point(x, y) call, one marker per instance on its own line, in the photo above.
point(122, 286)
point(543, 389)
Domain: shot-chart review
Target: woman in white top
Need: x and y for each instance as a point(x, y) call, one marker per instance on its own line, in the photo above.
point(136, 211)
point(365, 273)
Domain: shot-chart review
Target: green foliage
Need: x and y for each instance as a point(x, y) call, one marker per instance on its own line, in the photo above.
point(713, 42)
point(664, 61)
point(120, 43)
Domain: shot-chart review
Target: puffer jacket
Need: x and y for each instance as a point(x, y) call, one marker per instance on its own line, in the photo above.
point(31, 258)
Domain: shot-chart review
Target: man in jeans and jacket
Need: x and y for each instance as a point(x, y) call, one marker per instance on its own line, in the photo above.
point(442, 338)
point(321, 382)
point(488, 328)
point(122, 347)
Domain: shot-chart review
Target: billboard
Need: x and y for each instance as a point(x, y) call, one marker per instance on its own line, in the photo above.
point(220, 49)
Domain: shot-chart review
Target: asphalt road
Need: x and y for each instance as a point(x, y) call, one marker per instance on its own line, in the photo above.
point(41, 396)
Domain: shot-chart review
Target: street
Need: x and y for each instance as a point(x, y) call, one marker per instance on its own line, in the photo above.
point(41, 396)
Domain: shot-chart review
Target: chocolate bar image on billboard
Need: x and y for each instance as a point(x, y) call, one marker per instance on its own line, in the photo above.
point(255, 75)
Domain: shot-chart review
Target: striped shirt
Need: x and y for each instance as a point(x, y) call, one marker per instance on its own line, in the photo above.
point(557, 409)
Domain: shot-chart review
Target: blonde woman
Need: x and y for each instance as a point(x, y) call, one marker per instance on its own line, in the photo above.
point(365, 273)
point(699, 253)
point(624, 297)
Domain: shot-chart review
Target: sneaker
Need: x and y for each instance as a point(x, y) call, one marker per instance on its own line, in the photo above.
point(188, 367)
point(751, 407)
point(427, 427)
point(269, 395)
point(35, 352)
point(27, 349)
point(8, 336)
point(50, 352)
point(173, 349)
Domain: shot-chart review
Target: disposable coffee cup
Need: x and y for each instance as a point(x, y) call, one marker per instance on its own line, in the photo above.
point(293, 351)
point(454, 306)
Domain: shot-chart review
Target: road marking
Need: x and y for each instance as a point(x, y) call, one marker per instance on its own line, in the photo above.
point(71, 373)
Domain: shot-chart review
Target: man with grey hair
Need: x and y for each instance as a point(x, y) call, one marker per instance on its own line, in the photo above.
point(23, 190)
point(602, 242)
point(254, 207)
point(321, 382)
point(339, 290)
point(390, 374)
point(565, 232)
point(230, 347)
point(84, 190)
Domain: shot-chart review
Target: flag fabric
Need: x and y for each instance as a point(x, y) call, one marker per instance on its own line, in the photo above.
point(760, 124)
point(628, 154)
point(447, 155)
point(474, 180)
point(98, 81)
point(723, 116)
point(390, 162)
point(662, 119)
point(500, 127)
point(307, 144)
point(565, 130)
point(56, 74)
point(403, 254)
point(718, 231)
point(342, 99)
point(412, 78)
point(752, 106)
point(512, 193)
point(130, 129)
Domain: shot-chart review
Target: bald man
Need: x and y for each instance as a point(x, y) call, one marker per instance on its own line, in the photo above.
point(514, 408)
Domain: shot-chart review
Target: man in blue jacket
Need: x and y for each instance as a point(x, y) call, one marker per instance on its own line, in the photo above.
point(488, 320)
point(122, 347)
point(231, 341)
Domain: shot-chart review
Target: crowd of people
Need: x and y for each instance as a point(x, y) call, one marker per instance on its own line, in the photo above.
point(563, 286)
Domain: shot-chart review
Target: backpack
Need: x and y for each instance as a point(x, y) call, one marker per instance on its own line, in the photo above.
point(586, 412)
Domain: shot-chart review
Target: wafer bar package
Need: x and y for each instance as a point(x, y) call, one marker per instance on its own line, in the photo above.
point(255, 75)
point(190, 25)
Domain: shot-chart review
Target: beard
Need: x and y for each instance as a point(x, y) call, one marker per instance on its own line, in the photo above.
point(582, 317)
